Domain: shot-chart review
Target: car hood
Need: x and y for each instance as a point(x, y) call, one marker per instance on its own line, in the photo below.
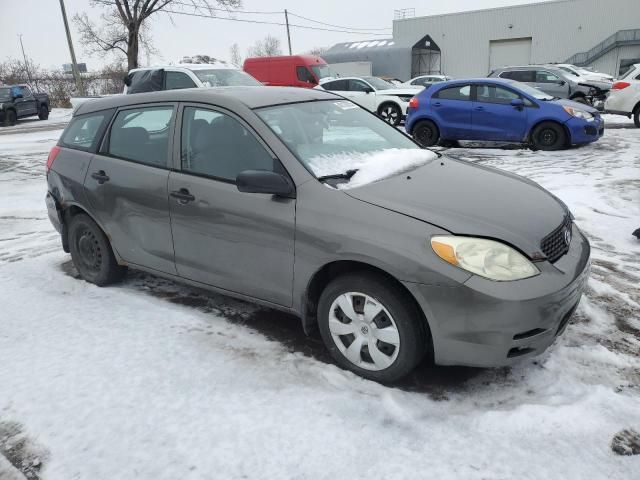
point(570, 103)
point(470, 199)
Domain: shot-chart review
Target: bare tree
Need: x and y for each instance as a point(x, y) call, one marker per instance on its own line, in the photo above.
point(318, 51)
point(267, 47)
point(124, 24)
point(236, 57)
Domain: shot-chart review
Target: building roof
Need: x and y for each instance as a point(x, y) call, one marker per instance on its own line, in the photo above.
point(369, 45)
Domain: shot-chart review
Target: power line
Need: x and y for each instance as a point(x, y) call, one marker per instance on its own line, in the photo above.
point(262, 22)
point(337, 26)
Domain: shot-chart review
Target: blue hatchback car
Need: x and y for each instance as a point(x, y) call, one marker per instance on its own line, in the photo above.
point(500, 110)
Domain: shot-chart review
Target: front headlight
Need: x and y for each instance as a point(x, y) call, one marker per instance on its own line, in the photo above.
point(576, 112)
point(487, 258)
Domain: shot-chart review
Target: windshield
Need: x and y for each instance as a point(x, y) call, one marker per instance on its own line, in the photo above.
point(226, 77)
point(532, 92)
point(378, 83)
point(333, 137)
point(5, 93)
point(571, 71)
point(322, 71)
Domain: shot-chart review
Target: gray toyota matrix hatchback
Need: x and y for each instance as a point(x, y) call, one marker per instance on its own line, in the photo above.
point(303, 201)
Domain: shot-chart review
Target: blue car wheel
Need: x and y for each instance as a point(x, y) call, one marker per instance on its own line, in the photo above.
point(426, 133)
point(549, 136)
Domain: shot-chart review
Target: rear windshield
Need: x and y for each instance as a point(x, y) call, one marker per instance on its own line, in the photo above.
point(84, 131)
point(226, 77)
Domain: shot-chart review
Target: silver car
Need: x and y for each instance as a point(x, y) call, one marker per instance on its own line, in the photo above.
point(305, 202)
point(555, 82)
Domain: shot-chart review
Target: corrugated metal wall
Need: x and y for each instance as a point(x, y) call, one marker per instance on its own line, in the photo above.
point(558, 30)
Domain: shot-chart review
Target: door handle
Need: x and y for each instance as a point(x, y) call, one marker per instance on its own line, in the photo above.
point(183, 196)
point(100, 176)
point(480, 109)
point(437, 104)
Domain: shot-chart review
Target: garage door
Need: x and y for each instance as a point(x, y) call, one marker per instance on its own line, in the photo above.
point(515, 51)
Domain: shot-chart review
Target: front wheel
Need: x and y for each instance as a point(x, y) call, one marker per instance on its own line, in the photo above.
point(10, 118)
point(426, 133)
point(390, 113)
point(91, 252)
point(43, 113)
point(549, 136)
point(371, 328)
point(636, 116)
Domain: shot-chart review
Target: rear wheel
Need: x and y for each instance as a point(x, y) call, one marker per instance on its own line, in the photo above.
point(370, 327)
point(43, 113)
point(10, 118)
point(426, 133)
point(91, 252)
point(390, 113)
point(636, 116)
point(549, 136)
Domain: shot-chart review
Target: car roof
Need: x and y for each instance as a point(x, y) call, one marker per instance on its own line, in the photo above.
point(251, 97)
point(462, 81)
point(188, 66)
point(517, 67)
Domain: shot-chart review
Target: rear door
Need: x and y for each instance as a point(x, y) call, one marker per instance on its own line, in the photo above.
point(452, 110)
point(241, 242)
point(126, 185)
point(26, 106)
point(494, 118)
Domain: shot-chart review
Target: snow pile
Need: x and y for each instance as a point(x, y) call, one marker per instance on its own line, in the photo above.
point(371, 166)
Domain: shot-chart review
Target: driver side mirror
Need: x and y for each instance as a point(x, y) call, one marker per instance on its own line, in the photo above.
point(517, 103)
point(562, 83)
point(264, 181)
point(368, 90)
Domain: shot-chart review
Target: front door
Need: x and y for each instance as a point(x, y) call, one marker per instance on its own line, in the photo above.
point(551, 84)
point(241, 242)
point(494, 118)
point(361, 93)
point(126, 186)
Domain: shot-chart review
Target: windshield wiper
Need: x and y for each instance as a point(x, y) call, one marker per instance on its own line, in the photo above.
point(348, 174)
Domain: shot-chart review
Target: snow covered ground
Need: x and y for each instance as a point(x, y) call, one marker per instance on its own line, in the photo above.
point(154, 380)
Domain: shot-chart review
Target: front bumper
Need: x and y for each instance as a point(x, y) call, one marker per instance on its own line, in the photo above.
point(482, 323)
point(583, 131)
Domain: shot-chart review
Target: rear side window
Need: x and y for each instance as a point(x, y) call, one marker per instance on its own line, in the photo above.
point(520, 75)
point(336, 85)
point(84, 131)
point(177, 81)
point(142, 135)
point(459, 92)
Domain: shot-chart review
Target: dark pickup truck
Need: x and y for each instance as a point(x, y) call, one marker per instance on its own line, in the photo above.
point(18, 101)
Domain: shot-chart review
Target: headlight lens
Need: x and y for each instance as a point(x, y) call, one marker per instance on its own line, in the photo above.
point(487, 258)
point(576, 112)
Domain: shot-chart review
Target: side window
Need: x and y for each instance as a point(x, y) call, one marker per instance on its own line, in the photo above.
point(358, 86)
point(525, 76)
point(142, 135)
point(177, 80)
point(460, 92)
point(217, 145)
point(542, 76)
point(336, 86)
point(83, 133)
point(304, 75)
point(26, 92)
point(494, 94)
point(420, 81)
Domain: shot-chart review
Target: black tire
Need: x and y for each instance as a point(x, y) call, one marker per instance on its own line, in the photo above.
point(549, 136)
point(426, 133)
point(414, 339)
point(91, 252)
point(43, 113)
point(390, 113)
point(10, 118)
point(580, 100)
point(636, 116)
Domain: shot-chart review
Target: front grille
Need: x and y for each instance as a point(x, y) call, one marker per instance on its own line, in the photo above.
point(555, 244)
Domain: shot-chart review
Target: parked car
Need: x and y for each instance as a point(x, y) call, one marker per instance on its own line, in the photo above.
point(584, 72)
point(500, 110)
point(18, 101)
point(374, 94)
point(425, 81)
point(624, 98)
point(288, 71)
point(256, 193)
point(555, 82)
point(176, 77)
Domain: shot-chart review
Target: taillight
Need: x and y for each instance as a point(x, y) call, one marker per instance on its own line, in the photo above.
point(52, 156)
point(414, 103)
point(620, 85)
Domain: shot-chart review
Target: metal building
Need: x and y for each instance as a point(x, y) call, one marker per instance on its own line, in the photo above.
point(604, 34)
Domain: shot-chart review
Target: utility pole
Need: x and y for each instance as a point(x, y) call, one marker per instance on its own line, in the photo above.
point(26, 64)
point(74, 64)
point(286, 19)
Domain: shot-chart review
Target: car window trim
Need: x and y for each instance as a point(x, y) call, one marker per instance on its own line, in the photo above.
point(104, 146)
point(177, 150)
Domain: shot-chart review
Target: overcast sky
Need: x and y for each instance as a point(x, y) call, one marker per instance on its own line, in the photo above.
point(40, 23)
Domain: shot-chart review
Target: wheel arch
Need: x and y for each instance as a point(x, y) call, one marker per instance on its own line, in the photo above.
point(325, 274)
point(71, 210)
point(549, 120)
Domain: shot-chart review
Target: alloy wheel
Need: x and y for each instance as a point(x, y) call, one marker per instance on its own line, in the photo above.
point(364, 331)
point(390, 114)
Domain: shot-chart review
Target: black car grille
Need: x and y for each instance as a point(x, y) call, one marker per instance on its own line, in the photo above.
point(555, 244)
